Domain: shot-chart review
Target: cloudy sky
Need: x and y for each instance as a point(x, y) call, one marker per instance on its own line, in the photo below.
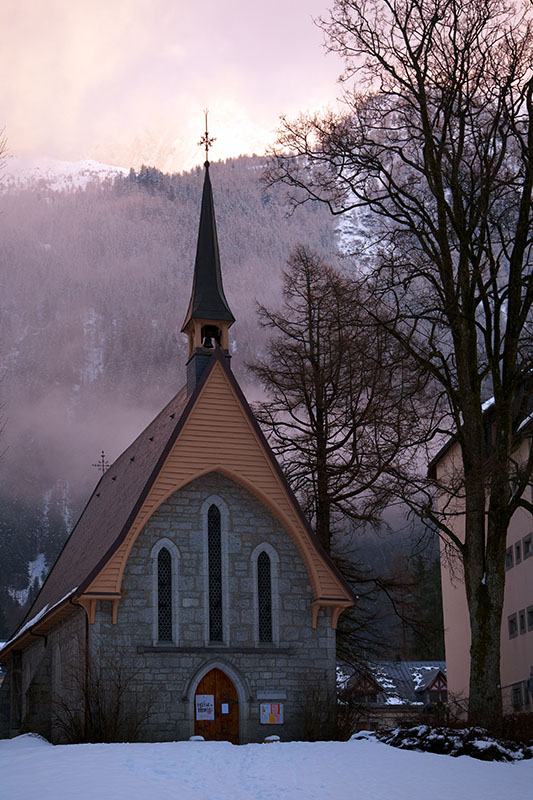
point(126, 81)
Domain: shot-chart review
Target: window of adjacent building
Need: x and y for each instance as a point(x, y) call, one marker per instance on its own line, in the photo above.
point(527, 694)
point(517, 696)
point(527, 545)
point(366, 699)
point(518, 552)
point(522, 620)
point(529, 612)
point(513, 626)
point(264, 596)
point(509, 561)
point(438, 696)
point(214, 544)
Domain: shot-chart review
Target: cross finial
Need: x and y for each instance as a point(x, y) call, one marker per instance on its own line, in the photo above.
point(205, 141)
point(103, 464)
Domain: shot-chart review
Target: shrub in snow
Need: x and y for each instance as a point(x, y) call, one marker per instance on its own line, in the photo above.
point(474, 742)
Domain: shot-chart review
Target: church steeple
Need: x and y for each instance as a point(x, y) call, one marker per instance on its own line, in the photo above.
point(208, 317)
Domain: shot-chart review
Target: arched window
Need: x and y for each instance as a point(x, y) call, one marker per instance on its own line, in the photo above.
point(214, 515)
point(265, 566)
point(214, 546)
point(165, 557)
point(164, 596)
point(264, 597)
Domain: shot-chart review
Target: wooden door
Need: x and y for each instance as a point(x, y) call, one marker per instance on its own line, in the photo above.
point(224, 706)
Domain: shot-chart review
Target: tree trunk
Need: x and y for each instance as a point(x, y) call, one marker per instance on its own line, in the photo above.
point(484, 564)
point(485, 699)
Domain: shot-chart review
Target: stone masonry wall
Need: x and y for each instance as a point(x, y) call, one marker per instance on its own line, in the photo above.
point(289, 671)
point(49, 668)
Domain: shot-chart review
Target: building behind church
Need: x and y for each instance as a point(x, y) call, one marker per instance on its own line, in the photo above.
point(192, 576)
point(516, 637)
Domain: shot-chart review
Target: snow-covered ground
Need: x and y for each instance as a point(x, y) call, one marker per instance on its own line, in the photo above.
point(31, 768)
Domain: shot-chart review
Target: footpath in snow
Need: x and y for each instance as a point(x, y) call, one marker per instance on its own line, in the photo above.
point(32, 769)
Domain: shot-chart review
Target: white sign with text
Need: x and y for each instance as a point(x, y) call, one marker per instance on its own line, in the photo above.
point(205, 706)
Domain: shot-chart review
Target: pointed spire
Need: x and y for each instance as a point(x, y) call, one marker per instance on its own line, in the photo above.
point(208, 317)
point(208, 300)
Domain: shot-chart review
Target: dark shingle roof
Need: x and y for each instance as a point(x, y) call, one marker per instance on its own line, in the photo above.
point(111, 509)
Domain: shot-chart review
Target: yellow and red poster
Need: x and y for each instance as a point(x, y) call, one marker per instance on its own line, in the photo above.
point(271, 713)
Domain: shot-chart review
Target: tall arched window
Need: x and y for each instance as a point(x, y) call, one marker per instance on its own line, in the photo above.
point(165, 557)
point(215, 521)
point(265, 566)
point(164, 596)
point(264, 597)
point(214, 546)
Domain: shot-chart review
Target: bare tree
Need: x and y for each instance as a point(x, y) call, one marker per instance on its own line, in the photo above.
point(436, 142)
point(339, 414)
point(106, 703)
point(337, 396)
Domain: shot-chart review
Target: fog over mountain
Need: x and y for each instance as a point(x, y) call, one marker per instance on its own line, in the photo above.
point(96, 274)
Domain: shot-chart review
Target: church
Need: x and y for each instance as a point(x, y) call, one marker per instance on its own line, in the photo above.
point(192, 583)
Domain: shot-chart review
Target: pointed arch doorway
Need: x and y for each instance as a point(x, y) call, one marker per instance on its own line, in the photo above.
point(216, 707)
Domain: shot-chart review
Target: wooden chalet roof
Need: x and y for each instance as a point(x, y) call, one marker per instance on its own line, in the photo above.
point(152, 468)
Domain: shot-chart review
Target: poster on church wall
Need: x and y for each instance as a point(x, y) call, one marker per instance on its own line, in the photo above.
point(205, 706)
point(271, 713)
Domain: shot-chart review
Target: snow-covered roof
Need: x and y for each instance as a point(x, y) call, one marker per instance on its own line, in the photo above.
point(400, 682)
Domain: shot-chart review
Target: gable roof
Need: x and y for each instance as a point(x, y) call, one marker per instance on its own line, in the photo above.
point(108, 518)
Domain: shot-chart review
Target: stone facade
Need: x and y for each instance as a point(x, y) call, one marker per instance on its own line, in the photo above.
point(289, 670)
point(215, 593)
point(43, 677)
point(297, 668)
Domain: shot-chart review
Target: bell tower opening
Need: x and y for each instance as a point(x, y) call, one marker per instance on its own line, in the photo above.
point(211, 337)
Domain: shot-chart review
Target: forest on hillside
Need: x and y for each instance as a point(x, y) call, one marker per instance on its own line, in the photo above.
point(95, 285)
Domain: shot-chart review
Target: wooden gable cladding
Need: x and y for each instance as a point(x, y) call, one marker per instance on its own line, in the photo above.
point(366, 685)
point(439, 683)
point(218, 434)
